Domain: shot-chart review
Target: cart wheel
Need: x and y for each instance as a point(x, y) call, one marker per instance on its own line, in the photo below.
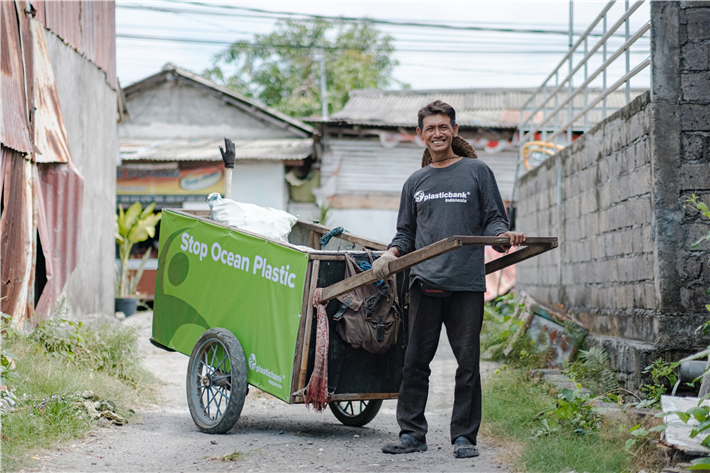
point(356, 413)
point(216, 381)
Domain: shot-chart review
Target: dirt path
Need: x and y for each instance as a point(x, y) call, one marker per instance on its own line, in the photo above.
point(272, 435)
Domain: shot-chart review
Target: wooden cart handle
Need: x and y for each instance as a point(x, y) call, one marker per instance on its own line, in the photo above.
point(533, 246)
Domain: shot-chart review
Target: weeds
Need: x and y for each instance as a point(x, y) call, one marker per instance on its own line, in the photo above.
point(106, 349)
point(500, 337)
point(509, 420)
point(53, 366)
point(593, 370)
point(663, 376)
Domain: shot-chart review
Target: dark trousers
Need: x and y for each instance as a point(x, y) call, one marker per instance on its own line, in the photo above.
point(462, 314)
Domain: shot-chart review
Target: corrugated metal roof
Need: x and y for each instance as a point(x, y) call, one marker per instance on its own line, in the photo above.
point(488, 108)
point(365, 167)
point(14, 132)
point(253, 106)
point(60, 206)
point(50, 135)
point(208, 150)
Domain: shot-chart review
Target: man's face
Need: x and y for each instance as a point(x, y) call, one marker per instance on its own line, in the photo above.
point(437, 134)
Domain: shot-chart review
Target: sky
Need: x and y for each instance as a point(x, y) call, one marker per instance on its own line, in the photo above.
point(430, 58)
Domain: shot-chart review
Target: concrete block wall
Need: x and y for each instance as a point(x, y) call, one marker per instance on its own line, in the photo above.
point(625, 266)
point(606, 238)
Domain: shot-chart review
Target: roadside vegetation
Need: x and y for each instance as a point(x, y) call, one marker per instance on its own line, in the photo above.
point(63, 379)
point(559, 430)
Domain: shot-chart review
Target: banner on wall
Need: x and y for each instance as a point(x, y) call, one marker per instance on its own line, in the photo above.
point(167, 185)
point(210, 276)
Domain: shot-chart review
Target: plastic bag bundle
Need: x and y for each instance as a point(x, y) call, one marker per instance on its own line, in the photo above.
point(271, 223)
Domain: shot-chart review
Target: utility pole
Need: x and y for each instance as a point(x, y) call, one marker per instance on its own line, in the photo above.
point(323, 88)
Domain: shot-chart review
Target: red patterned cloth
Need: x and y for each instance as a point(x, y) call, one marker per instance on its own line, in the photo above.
point(317, 389)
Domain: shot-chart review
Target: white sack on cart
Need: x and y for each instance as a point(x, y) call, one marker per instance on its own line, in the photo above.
point(264, 221)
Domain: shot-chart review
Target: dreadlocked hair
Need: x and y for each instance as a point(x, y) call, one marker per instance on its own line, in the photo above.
point(460, 146)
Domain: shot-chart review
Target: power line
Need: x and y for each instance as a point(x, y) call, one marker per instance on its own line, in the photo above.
point(338, 18)
point(452, 42)
point(333, 48)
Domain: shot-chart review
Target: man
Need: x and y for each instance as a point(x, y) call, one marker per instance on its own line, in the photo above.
point(450, 196)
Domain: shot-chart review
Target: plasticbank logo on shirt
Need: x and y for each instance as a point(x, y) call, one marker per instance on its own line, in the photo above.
point(420, 196)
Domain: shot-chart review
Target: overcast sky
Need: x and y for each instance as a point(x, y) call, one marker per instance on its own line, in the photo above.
point(463, 59)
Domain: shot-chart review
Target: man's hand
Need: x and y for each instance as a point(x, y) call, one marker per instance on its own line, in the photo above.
point(516, 239)
point(381, 265)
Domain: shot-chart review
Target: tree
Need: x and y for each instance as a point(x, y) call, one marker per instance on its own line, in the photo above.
point(282, 69)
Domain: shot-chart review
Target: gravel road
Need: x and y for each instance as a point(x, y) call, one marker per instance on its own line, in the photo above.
point(271, 435)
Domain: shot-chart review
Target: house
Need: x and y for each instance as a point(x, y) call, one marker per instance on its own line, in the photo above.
point(370, 148)
point(170, 149)
point(58, 114)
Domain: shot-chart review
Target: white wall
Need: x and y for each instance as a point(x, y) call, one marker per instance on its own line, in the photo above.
point(375, 224)
point(261, 184)
point(89, 109)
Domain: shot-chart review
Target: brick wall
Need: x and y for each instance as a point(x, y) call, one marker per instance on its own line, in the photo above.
point(624, 266)
point(606, 240)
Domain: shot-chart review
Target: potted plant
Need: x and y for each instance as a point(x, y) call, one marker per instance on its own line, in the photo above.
point(133, 226)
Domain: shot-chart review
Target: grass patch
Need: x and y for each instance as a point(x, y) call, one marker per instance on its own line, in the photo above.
point(512, 405)
point(53, 363)
point(230, 457)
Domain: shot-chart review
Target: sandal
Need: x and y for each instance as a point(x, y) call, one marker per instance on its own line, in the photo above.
point(463, 448)
point(407, 444)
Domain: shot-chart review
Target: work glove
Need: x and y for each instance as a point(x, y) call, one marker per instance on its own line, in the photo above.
point(380, 267)
point(230, 155)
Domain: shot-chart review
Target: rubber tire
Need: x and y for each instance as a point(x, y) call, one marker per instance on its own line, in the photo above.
point(239, 386)
point(360, 420)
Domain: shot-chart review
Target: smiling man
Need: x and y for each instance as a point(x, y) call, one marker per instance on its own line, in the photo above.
point(453, 195)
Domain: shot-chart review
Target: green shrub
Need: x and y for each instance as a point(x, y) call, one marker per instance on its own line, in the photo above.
point(593, 370)
point(501, 339)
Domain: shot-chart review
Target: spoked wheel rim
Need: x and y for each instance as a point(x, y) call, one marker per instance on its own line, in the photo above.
point(211, 381)
point(352, 408)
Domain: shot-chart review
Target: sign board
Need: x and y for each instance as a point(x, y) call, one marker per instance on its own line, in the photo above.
point(161, 184)
point(210, 276)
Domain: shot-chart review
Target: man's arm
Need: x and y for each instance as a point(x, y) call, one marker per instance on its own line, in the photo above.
point(403, 241)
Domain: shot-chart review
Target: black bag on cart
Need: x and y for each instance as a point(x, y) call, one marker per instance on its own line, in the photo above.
point(368, 317)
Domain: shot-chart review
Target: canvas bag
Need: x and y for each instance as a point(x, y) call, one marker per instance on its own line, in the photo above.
point(374, 332)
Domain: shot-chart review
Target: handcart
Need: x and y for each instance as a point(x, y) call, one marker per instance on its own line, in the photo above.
point(240, 305)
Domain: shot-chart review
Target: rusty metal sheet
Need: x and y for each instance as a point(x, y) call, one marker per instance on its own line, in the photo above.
point(14, 132)
point(61, 190)
point(16, 238)
point(50, 135)
point(63, 19)
point(38, 5)
point(26, 34)
point(98, 36)
point(89, 27)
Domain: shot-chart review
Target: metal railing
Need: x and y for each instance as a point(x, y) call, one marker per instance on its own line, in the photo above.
point(542, 112)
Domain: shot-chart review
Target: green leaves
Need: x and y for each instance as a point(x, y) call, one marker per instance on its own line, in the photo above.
point(283, 69)
point(133, 226)
point(136, 224)
point(700, 464)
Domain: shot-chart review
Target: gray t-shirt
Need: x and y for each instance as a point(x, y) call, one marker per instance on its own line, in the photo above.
point(436, 203)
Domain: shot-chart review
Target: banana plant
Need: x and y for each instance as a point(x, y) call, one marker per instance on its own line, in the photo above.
point(133, 226)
